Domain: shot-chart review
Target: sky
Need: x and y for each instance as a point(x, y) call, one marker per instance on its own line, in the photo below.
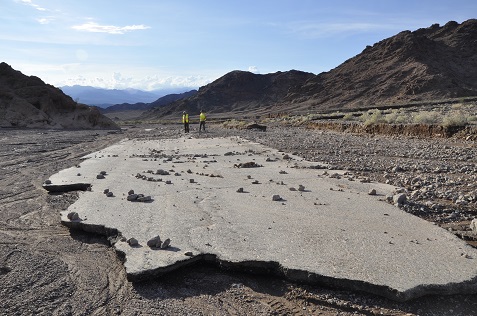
point(163, 44)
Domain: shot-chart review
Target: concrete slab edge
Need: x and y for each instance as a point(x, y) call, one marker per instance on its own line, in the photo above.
point(275, 269)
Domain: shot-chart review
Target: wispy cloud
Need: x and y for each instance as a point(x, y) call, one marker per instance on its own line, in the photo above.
point(45, 20)
point(323, 30)
point(31, 4)
point(110, 29)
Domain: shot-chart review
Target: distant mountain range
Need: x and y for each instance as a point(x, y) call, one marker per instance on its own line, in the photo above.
point(104, 98)
point(146, 106)
point(432, 63)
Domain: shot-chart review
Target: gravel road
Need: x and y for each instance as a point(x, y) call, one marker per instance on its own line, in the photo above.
point(47, 270)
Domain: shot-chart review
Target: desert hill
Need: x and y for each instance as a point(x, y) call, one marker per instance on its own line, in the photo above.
point(427, 64)
point(26, 101)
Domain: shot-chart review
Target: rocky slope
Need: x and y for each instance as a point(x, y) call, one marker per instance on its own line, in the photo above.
point(29, 102)
point(428, 64)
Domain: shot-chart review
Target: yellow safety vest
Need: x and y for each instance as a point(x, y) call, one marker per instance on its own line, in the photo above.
point(202, 117)
point(185, 118)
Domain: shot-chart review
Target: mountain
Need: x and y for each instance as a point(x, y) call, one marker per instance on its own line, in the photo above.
point(26, 101)
point(431, 63)
point(107, 97)
point(238, 91)
point(145, 106)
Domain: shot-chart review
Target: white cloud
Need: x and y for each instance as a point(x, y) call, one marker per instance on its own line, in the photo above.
point(45, 20)
point(253, 69)
point(320, 30)
point(110, 29)
point(31, 4)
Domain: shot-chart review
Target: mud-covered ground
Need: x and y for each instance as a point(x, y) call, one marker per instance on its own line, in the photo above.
point(47, 270)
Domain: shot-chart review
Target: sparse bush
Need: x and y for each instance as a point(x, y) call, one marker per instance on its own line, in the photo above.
point(454, 119)
point(348, 117)
point(426, 117)
point(396, 117)
point(457, 106)
point(372, 117)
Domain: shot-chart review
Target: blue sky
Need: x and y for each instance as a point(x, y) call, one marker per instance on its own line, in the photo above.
point(155, 44)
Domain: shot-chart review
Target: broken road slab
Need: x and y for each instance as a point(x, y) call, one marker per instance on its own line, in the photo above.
point(243, 205)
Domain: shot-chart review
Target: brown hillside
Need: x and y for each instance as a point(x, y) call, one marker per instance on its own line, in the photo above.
point(29, 102)
point(427, 64)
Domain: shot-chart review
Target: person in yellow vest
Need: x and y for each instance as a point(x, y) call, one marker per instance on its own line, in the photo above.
point(185, 121)
point(202, 120)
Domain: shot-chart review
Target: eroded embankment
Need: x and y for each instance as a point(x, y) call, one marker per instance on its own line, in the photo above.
point(409, 130)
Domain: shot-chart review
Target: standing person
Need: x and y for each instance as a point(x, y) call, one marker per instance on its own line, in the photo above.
point(185, 121)
point(202, 120)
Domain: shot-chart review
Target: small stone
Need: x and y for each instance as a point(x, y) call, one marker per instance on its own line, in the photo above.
point(276, 197)
point(240, 190)
point(109, 194)
point(130, 192)
point(154, 242)
point(78, 174)
point(301, 188)
point(292, 189)
point(73, 216)
point(188, 253)
point(473, 225)
point(168, 182)
point(166, 243)
point(106, 191)
point(399, 199)
point(372, 192)
point(99, 176)
point(47, 181)
point(132, 242)
point(132, 197)
point(144, 198)
point(191, 180)
point(103, 173)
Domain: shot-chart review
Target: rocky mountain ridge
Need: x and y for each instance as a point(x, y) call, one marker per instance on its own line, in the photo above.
point(427, 64)
point(26, 101)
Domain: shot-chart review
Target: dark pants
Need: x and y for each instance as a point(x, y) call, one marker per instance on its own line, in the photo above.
point(202, 125)
point(186, 127)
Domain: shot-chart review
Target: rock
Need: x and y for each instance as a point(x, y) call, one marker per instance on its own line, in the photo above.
point(132, 242)
point(73, 216)
point(106, 191)
point(144, 198)
point(47, 181)
point(109, 194)
point(188, 253)
point(166, 243)
point(132, 197)
point(276, 197)
point(154, 242)
point(240, 190)
point(372, 192)
point(99, 176)
point(130, 192)
point(301, 188)
point(400, 199)
point(168, 182)
point(191, 181)
point(473, 225)
point(103, 173)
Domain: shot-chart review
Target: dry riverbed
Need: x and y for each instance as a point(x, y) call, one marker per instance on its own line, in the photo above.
point(47, 270)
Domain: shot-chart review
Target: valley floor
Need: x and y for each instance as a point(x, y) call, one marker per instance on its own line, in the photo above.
point(47, 270)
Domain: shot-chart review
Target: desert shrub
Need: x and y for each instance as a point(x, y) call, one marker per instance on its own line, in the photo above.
point(396, 117)
point(372, 117)
point(472, 118)
point(348, 117)
point(457, 106)
point(454, 119)
point(426, 117)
